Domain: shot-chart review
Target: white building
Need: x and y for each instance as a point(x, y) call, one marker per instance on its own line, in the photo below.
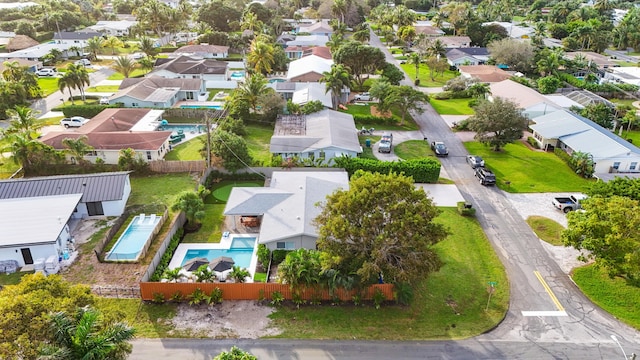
point(113, 28)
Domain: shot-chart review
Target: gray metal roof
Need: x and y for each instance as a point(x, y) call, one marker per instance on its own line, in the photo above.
point(94, 187)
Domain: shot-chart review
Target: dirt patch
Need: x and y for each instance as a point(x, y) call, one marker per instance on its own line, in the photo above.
point(243, 319)
point(375, 112)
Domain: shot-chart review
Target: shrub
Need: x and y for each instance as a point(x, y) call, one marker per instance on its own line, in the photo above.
point(465, 209)
point(278, 256)
point(424, 170)
point(370, 119)
point(166, 257)
point(277, 298)
point(158, 298)
point(217, 176)
point(177, 296)
point(462, 125)
point(378, 298)
point(403, 293)
point(196, 297)
point(563, 155)
point(533, 142)
point(264, 255)
point(443, 95)
point(86, 111)
point(215, 297)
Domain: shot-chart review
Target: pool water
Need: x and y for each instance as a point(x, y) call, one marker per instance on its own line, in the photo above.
point(241, 251)
point(216, 107)
point(186, 128)
point(133, 239)
point(237, 74)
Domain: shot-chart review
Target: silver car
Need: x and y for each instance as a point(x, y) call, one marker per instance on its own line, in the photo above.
point(475, 161)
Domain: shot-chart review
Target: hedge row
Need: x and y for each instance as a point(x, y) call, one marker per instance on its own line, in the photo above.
point(598, 88)
point(370, 119)
point(424, 170)
point(166, 257)
point(86, 111)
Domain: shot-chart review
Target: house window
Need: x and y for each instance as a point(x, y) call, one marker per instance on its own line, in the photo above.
point(189, 95)
point(148, 155)
point(95, 208)
point(134, 105)
point(616, 165)
point(633, 166)
point(322, 155)
point(286, 245)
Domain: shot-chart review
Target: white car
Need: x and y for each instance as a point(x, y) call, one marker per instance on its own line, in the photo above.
point(83, 62)
point(365, 96)
point(47, 72)
point(137, 56)
point(104, 100)
point(74, 121)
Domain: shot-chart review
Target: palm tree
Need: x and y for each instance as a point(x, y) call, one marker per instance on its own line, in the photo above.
point(204, 274)
point(479, 90)
point(112, 42)
point(55, 54)
point(12, 71)
point(363, 35)
point(75, 49)
point(85, 336)
point(146, 63)
point(335, 80)
point(250, 22)
point(79, 77)
point(23, 120)
point(437, 49)
point(94, 45)
point(339, 9)
point(172, 274)
point(124, 65)
point(416, 60)
point(66, 82)
point(335, 41)
point(251, 90)
point(77, 148)
point(239, 274)
point(147, 46)
point(261, 56)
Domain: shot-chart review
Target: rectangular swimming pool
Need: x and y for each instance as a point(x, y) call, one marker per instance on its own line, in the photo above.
point(186, 128)
point(240, 251)
point(216, 107)
point(134, 238)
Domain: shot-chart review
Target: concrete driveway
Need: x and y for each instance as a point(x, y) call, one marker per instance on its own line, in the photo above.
point(443, 194)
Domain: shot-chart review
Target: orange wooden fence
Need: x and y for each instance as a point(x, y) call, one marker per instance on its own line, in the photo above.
point(236, 291)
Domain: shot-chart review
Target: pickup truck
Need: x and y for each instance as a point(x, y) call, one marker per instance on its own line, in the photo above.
point(567, 204)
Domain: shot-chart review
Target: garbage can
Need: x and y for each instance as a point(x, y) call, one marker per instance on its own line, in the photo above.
point(367, 142)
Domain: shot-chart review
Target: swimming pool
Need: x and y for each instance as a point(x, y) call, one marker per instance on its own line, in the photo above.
point(237, 74)
point(241, 251)
point(134, 238)
point(186, 128)
point(217, 107)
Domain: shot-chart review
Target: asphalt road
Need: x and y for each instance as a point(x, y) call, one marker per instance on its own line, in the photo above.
point(548, 316)
point(621, 55)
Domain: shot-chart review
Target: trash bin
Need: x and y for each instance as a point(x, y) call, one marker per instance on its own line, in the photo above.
point(367, 142)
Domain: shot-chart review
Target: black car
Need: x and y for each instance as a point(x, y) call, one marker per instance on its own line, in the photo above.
point(485, 176)
point(439, 148)
point(475, 161)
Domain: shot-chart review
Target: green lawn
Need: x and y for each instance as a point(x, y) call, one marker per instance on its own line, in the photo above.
point(119, 76)
point(425, 79)
point(452, 106)
point(527, 170)
point(103, 88)
point(258, 140)
point(210, 231)
point(546, 229)
point(159, 189)
point(213, 92)
point(222, 190)
point(13, 279)
point(189, 150)
point(413, 149)
point(367, 152)
point(391, 124)
point(148, 319)
point(48, 85)
point(449, 304)
point(55, 120)
point(634, 135)
point(615, 295)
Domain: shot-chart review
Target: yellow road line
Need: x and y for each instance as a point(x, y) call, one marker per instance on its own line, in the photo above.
point(548, 289)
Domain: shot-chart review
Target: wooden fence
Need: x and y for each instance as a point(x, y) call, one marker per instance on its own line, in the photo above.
point(164, 166)
point(256, 291)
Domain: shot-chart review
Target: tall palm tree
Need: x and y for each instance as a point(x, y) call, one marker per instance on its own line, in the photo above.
point(251, 90)
point(112, 42)
point(479, 90)
point(77, 148)
point(75, 49)
point(147, 46)
point(339, 9)
point(336, 80)
point(250, 22)
point(416, 60)
point(85, 336)
point(79, 77)
point(94, 45)
point(66, 82)
point(55, 54)
point(335, 41)
point(261, 56)
point(146, 63)
point(23, 120)
point(124, 65)
point(363, 35)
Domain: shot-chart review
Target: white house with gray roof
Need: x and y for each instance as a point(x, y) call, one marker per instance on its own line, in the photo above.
point(158, 92)
point(103, 194)
point(321, 136)
point(35, 227)
point(288, 206)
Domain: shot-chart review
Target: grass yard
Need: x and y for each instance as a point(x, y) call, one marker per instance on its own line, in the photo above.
point(425, 79)
point(119, 76)
point(13, 279)
point(148, 319)
point(258, 138)
point(615, 295)
point(546, 229)
point(413, 149)
point(210, 231)
point(189, 150)
point(55, 120)
point(452, 106)
point(527, 170)
point(449, 304)
point(159, 189)
point(367, 152)
point(220, 194)
point(103, 88)
point(391, 124)
point(634, 135)
point(48, 85)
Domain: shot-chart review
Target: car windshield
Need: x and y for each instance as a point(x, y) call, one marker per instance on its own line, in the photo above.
point(440, 146)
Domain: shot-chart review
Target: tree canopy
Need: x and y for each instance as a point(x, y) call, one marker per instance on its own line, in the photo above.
point(626, 187)
point(382, 225)
point(360, 59)
point(518, 55)
point(497, 122)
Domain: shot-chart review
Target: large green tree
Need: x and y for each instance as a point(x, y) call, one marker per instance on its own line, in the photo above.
point(193, 207)
point(498, 122)
point(15, 73)
point(250, 92)
point(85, 335)
point(360, 59)
point(627, 187)
point(405, 98)
point(231, 149)
point(381, 226)
point(518, 55)
point(608, 230)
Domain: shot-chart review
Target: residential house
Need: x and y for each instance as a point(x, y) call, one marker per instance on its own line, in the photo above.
point(624, 75)
point(571, 132)
point(36, 228)
point(467, 56)
point(483, 73)
point(319, 28)
point(36, 52)
point(301, 93)
point(308, 69)
point(321, 51)
point(515, 31)
point(6, 36)
point(112, 28)
point(309, 40)
point(102, 194)
point(204, 51)
point(284, 38)
point(186, 67)
point(590, 57)
point(288, 206)
point(451, 42)
point(532, 102)
point(323, 136)
point(115, 129)
point(296, 52)
point(32, 66)
point(17, 5)
point(158, 92)
point(74, 38)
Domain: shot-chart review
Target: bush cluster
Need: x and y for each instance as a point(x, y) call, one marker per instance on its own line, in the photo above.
point(465, 210)
point(166, 257)
point(598, 88)
point(86, 111)
point(533, 142)
point(370, 119)
point(278, 256)
point(424, 170)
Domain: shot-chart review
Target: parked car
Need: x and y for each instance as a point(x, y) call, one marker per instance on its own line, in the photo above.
point(47, 72)
point(386, 142)
point(104, 100)
point(485, 176)
point(567, 204)
point(75, 121)
point(475, 161)
point(365, 96)
point(137, 56)
point(83, 62)
point(439, 148)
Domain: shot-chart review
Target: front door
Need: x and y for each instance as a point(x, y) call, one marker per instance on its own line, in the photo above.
point(26, 255)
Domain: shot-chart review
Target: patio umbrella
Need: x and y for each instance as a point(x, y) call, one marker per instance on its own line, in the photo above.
point(195, 263)
point(222, 263)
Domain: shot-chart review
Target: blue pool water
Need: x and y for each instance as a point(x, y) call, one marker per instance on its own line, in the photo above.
point(186, 128)
point(237, 74)
point(217, 107)
point(133, 239)
point(277, 80)
point(240, 251)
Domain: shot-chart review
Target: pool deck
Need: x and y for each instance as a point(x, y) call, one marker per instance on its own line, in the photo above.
point(224, 244)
